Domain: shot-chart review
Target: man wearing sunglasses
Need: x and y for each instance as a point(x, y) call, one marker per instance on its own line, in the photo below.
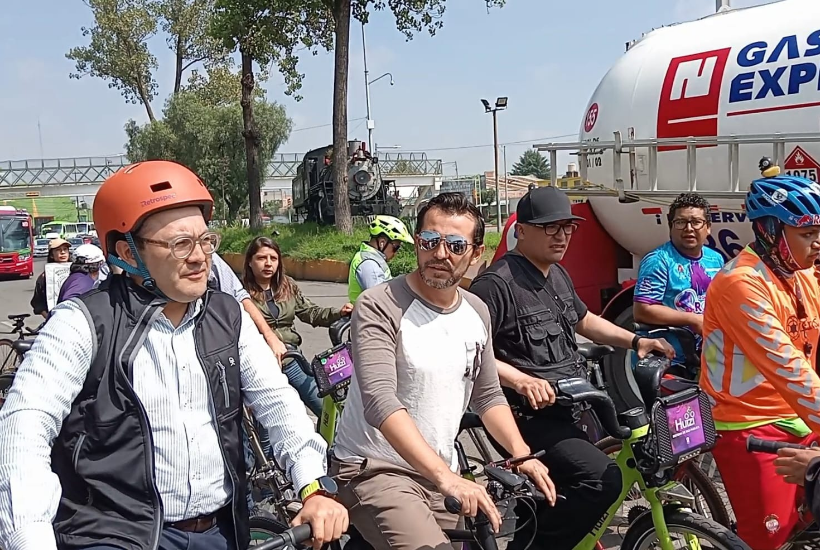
point(673, 278)
point(422, 351)
point(535, 314)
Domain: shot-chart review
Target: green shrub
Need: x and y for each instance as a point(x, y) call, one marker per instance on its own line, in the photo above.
point(308, 241)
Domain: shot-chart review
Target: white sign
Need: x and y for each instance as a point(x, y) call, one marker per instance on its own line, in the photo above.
point(56, 274)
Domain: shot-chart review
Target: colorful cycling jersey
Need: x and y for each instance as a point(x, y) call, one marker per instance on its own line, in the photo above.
point(753, 365)
point(669, 278)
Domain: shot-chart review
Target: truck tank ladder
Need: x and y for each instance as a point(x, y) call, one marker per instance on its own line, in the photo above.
point(628, 192)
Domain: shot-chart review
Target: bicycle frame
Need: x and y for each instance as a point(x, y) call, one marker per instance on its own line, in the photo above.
point(630, 475)
point(329, 418)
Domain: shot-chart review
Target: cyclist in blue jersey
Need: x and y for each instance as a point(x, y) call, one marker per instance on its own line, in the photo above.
point(673, 278)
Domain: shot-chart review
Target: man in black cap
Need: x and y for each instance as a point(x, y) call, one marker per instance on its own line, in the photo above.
point(535, 314)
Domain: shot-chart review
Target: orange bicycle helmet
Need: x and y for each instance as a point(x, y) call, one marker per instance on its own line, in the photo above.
point(138, 190)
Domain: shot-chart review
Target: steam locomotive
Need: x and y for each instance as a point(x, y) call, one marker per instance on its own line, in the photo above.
point(370, 193)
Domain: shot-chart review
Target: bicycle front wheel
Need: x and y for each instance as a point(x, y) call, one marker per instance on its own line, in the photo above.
point(641, 534)
point(8, 357)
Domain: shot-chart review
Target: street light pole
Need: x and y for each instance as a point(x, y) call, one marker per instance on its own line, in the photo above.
point(500, 104)
point(497, 194)
point(370, 124)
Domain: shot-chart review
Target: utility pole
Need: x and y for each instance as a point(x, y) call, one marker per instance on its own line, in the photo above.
point(506, 192)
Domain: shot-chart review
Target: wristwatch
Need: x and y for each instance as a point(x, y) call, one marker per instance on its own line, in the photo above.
point(324, 486)
point(635, 341)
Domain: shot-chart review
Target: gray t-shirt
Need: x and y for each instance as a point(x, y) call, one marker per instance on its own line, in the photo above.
point(409, 354)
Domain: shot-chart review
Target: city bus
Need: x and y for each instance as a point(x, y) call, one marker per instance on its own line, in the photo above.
point(16, 242)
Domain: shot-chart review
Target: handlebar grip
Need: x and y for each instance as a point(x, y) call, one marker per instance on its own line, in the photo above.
point(291, 537)
point(300, 359)
point(757, 445)
point(577, 390)
point(453, 505)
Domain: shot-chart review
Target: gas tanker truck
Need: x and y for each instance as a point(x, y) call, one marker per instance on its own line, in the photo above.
point(689, 107)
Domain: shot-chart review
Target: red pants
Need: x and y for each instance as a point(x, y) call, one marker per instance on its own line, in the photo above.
point(757, 494)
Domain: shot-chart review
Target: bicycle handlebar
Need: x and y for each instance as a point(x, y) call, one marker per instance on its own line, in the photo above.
point(337, 329)
point(300, 359)
point(289, 537)
point(757, 445)
point(571, 391)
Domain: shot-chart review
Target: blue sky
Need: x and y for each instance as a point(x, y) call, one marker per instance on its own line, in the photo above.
point(547, 56)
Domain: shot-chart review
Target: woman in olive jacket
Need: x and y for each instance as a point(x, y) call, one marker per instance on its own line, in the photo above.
point(279, 299)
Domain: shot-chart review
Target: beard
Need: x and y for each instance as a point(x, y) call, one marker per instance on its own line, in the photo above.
point(439, 283)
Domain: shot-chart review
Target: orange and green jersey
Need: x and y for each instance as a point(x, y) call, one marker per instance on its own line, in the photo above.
point(753, 364)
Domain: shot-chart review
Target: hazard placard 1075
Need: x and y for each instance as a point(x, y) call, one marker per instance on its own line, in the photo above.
point(800, 163)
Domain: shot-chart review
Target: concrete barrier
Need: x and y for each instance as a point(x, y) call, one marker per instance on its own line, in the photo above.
point(329, 271)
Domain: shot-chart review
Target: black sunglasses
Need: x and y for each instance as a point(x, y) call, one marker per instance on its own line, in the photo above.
point(429, 240)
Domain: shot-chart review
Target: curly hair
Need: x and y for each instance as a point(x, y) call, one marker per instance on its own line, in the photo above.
point(690, 200)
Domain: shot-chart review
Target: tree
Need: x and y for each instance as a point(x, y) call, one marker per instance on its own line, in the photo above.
point(266, 31)
point(210, 140)
point(411, 16)
point(118, 51)
point(532, 163)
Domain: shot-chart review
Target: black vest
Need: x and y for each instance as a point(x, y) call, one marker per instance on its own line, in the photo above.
point(104, 454)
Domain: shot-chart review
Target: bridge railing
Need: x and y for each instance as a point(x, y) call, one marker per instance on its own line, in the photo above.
point(67, 171)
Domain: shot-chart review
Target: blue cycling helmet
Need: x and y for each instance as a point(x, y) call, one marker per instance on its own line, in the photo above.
point(793, 200)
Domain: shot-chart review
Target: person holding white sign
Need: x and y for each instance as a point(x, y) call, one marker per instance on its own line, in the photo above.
point(58, 252)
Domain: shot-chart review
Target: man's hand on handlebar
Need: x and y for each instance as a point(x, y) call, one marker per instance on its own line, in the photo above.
point(346, 309)
point(539, 475)
point(792, 463)
point(659, 345)
point(327, 518)
point(538, 391)
point(472, 497)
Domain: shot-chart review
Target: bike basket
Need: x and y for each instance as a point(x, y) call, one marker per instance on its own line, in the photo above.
point(332, 370)
point(681, 427)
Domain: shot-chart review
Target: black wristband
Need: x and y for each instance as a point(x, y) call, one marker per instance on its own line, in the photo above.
point(635, 342)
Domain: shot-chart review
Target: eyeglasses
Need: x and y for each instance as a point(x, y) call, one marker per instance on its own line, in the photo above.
point(182, 247)
point(429, 240)
point(553, 229)
point(697, 223)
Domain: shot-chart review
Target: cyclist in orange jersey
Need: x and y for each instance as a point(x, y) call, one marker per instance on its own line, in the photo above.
point(760, 334)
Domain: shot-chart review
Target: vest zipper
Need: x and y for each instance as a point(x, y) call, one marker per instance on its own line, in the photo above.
point(76, 455)
point(145, 426)
point(224, 381)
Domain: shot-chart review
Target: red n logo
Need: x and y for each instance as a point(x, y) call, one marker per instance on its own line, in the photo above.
point(690, 96)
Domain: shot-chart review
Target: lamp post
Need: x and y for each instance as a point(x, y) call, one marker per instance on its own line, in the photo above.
point(370, 122)
point(500, 105)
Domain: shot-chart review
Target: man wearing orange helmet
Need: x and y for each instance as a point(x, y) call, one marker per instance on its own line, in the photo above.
point(124, 424)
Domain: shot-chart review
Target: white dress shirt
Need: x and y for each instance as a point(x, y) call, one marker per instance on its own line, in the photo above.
point(190, 473)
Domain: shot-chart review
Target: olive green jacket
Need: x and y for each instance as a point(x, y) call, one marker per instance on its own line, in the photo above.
point(297, 306)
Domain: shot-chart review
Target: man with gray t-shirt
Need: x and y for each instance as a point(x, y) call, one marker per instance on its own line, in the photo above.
point(422, 353)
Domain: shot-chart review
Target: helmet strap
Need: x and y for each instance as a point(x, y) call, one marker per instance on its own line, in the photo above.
point(140, 270)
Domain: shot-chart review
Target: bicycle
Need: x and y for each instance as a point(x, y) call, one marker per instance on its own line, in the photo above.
point(807, 531)
point(643, 461)
point(12, 352)
point(707, 496)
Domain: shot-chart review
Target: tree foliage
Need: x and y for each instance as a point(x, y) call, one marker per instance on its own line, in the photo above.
point(532, 163)
point(266, 31)
point(118, 51)
point(209, 139)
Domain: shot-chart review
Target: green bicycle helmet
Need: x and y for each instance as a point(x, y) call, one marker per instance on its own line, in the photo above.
point(392, 228)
